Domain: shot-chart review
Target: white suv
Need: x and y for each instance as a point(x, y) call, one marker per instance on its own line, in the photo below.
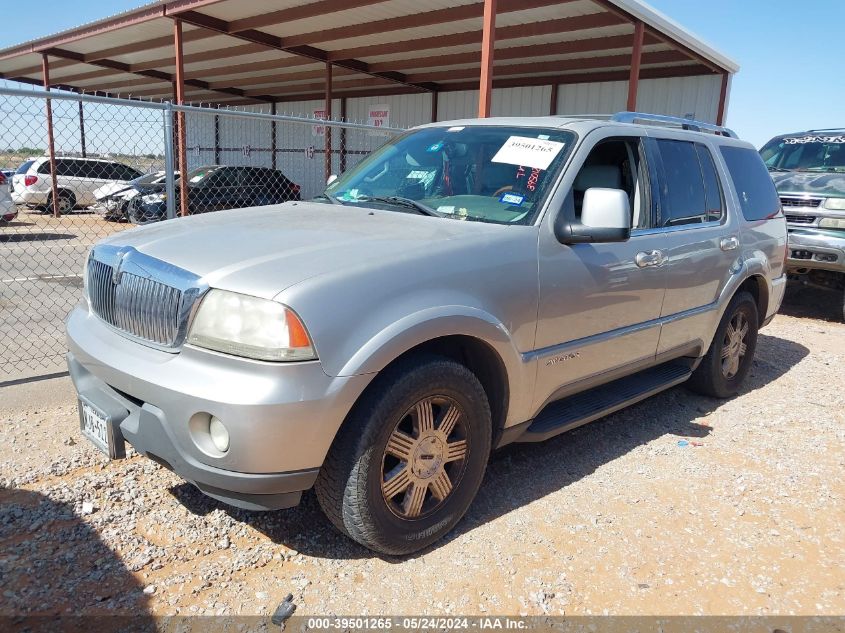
point(76, 181)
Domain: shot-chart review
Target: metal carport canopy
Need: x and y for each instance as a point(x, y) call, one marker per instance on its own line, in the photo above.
point(238, 52)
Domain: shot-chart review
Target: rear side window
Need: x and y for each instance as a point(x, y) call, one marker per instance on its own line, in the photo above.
point(25, 167)
point(754, 187)
point(690, 190)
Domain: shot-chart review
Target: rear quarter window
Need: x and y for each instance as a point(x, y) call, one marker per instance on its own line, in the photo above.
point(757, 195)
point(24, 167)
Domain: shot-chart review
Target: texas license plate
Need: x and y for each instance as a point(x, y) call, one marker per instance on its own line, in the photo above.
point(96, 426)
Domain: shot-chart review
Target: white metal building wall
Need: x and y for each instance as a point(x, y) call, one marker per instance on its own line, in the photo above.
point(675, 96)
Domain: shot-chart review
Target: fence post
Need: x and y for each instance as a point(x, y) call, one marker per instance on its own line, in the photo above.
point(169, 180)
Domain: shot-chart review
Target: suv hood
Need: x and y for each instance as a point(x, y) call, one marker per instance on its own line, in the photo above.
point(823, 184)
point(263, 250)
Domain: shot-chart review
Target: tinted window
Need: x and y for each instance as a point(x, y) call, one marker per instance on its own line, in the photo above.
point(124, 172)
point(684, 199)
point(225, 177)
point(67, 167)
point(754, 187)
point(712, 188)
point(24, 167)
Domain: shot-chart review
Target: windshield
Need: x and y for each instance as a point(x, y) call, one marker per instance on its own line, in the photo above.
point(807, 152)
point(482, 173)
point(198, 174)
point(149, 179)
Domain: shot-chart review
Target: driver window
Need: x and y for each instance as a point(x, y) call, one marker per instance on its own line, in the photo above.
point(615, 164)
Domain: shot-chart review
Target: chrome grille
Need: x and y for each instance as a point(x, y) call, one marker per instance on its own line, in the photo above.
point(800, 219)
point(793, 201)
point(134, 301)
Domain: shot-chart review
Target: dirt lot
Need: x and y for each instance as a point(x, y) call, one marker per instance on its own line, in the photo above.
point(616, 517)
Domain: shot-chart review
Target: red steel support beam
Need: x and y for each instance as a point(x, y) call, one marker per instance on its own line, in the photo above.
point(636, 58)
point(180, 117)
point(51, 148)
point(434, 106)
point(553, 100)
point(723, 97)
point(488, 41)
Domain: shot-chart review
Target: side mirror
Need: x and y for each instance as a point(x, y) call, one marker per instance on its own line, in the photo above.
point(331, 179)
point(605, 217)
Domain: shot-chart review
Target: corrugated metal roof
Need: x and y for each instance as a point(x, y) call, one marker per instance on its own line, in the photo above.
point(251, 50)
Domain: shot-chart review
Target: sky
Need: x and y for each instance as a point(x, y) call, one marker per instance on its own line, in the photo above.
point(790, 53)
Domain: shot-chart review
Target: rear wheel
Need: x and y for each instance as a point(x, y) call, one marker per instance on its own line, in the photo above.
point(727, 362)
point(408, 462)
point(67, 202)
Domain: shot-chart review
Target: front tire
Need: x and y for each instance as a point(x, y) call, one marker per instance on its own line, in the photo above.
point(726, 364)
point(409, 460)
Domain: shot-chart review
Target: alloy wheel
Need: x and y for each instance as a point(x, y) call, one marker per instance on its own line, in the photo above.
point(425, 457)
point(734, 345)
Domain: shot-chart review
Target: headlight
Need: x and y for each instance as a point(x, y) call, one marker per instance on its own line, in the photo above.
point(831, 223)
point(837, 204)
point(154, 198)
point(247, 326)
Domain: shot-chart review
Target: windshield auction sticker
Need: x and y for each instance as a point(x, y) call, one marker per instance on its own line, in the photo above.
point(530, 152)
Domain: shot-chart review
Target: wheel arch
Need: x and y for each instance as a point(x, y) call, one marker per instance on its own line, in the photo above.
point(758, 288)
point(475, 340)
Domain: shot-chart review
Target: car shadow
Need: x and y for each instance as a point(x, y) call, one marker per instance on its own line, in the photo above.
point(35, 236)
point(58, 575)
point(808, 302)
point(519, 468)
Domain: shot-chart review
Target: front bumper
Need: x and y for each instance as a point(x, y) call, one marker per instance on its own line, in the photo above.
point(281, 417)
point(816, 249)
point(144, 213)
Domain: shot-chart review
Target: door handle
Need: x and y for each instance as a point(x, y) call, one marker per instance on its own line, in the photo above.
point(650, 258)
point(728, 243)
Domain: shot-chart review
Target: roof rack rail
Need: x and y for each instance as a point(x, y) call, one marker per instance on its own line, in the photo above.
point(673, 121)
point(829, 129)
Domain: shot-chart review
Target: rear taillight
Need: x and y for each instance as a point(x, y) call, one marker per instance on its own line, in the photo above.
point(2, 179)
point(28, 181)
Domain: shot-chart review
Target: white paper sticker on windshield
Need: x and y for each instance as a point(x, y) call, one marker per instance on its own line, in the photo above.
point(418, 174)
point(528, 152)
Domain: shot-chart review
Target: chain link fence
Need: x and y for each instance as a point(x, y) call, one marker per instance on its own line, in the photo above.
point(116, 164)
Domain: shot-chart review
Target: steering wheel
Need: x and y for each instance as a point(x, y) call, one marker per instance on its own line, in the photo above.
point(502, 190)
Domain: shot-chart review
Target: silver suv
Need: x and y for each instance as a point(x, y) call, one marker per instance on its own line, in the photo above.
point(467, 285)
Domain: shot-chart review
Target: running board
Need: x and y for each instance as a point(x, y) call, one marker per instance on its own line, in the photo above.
point(564, 415)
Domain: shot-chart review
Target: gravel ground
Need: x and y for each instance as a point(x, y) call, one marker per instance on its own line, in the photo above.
point(746, 518)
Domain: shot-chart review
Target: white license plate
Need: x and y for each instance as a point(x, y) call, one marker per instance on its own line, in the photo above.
point(96, 427)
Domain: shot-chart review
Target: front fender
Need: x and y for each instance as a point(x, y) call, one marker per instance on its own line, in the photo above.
point(432, 323)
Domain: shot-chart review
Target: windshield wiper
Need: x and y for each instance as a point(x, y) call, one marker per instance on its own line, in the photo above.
point(778, 169)
point(325, 196)
point(399, 201)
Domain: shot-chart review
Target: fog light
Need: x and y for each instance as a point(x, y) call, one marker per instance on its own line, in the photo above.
point(219, 435)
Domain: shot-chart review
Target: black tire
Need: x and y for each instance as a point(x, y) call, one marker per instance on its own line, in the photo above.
point(67, 202)
point(350, 488)
point(711, 378)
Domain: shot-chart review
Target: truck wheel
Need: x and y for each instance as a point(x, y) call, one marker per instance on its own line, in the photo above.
point(408, 461)
point(727, 362)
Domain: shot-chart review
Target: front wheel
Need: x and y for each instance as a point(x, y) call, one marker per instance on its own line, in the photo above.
point(727, 362)
point(408, 462)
